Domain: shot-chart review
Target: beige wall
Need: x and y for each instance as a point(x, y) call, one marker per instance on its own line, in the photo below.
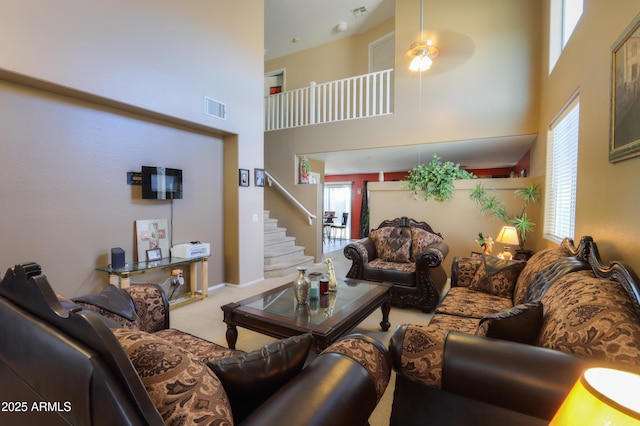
point(492, 93)
point(289, 216)
point(458, 220)
point(332, 61)
point(608, 195)
point(132, 78)
point(505, 88)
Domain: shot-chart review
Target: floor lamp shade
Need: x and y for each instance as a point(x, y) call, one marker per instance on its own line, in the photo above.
point(602, 396)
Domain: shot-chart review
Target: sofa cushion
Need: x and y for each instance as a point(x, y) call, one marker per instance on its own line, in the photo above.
point(393, 243)
point(465, 268)
point(250, 378)
point(519, 324)
point(420, 240)
point(552, 273)
point(203, 349)
point(467, 325)
point(150, 306)
point(536, 263)
point(591, 318)
point(182, 388)
point(394, 266)
point(497, 276)
point(462, 302)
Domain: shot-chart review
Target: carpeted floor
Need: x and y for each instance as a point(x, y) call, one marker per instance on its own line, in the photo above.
point(204, 319)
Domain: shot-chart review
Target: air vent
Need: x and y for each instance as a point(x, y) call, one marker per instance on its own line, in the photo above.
point(359, 11)
point(215, 108)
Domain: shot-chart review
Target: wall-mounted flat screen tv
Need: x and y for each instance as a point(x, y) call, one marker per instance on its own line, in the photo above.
point(161, 183)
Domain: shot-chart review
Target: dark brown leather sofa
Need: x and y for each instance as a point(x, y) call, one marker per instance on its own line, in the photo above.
point(62, 363)
point(489, 382)
point(565, 311)
point(406, 253)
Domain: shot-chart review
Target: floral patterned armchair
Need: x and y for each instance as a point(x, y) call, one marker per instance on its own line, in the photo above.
point(406, 253)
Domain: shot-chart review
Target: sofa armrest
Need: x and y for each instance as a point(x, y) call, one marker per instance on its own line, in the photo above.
point(152, 306)
point(433, 255)
point(337, 388)
point(360, 253)
point(523, 378)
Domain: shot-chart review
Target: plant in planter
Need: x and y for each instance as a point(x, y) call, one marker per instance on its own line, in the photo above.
point(489, 204)
point(435, 179)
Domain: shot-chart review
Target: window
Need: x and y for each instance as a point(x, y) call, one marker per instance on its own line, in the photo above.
point(571, 13)
point(564, 15)
point(562, 172)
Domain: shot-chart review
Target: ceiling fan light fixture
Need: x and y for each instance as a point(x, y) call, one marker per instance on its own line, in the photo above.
point(422, 54)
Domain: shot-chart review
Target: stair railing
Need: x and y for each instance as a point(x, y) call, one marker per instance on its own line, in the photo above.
point(362, 96)
point(271, 181)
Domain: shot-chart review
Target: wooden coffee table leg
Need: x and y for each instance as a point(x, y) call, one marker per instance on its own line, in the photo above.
point(232, 336)
point(386, 308)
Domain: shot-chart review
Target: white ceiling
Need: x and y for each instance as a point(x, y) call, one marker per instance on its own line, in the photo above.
point(472, 154)
point(314, 23)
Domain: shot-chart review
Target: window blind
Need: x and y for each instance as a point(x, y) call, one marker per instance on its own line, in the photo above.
point(562, 172)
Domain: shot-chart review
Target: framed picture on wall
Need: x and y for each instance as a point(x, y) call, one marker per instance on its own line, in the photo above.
point(259, 176)
point(243, 178)
point(624, 139)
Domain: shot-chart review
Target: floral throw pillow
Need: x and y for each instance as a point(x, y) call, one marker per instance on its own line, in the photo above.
point(497, 276)
point(183, 389)
point(420, 240)
point(393, 244)
point(521, 324)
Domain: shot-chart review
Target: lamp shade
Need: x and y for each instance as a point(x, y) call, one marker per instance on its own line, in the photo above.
point(602, 396)
point(508, 235)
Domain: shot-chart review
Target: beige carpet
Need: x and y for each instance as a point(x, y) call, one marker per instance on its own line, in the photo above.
point(204, 319)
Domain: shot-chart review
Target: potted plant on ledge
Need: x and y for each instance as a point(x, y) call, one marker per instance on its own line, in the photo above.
point(489, 204)
point(435, 179)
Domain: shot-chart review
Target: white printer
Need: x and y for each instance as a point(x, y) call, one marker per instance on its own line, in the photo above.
point(191, 250)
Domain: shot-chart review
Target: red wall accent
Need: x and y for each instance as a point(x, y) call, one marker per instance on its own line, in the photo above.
point(356, 199)
point(358, 183)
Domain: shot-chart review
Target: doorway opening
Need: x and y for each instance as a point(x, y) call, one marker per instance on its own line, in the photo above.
point(337, 215)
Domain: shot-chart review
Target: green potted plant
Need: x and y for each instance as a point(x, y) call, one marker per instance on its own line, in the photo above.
point(435, 179)
point(489, 204)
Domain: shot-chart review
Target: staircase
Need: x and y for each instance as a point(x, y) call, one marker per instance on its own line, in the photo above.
point(281, 255)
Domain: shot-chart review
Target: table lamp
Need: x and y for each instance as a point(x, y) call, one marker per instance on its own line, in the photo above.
point(602, 396)
point(509, 237)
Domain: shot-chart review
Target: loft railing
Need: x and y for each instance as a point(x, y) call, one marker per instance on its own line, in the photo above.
point(363, 96)
point(272, 181)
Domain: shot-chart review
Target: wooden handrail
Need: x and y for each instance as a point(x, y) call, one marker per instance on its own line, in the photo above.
point(271, 181)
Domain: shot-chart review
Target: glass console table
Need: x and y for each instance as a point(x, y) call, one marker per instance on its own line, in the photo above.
point(121, 277)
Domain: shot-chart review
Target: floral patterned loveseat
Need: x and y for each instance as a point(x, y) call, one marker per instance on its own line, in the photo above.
point(562, 299)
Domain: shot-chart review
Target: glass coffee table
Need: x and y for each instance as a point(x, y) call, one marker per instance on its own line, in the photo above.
point(276, 313)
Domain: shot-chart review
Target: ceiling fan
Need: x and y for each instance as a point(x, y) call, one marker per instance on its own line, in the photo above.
point(452, 49)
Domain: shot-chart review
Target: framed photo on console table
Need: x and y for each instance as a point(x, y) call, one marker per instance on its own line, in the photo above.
point(151, 234)
point(624, 139)
point(154, 255)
